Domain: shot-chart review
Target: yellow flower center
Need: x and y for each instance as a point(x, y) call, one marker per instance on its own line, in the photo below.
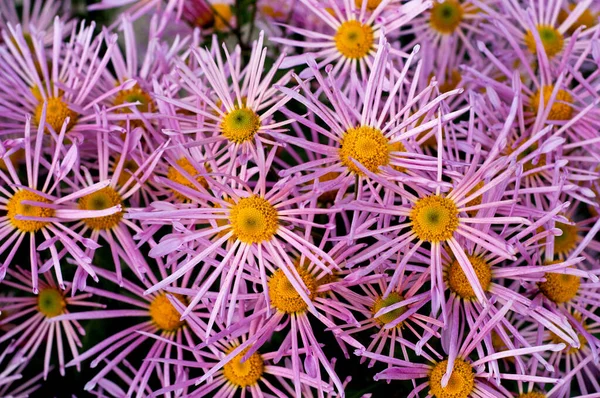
point(135, 94)
point(458, 282)
point(371, 4)
point(329, 196)
point(223, 15)
point(51, 302)
point(451, 81)
point(366, 145)
point(566, 242)
point(434, 218)
point(560, 288)
point(174, 175)
point(129, 167)
point(532, 395)
point(56, 113)
point(391, 316)
point(240, 125)
point(354, 40)
point(244, 374)
point(16, 158)
point(460, 385)
point(551, 38)
point(587, 19)
point(164, 315)
point(102, 199)
point(16, 208)
point(254, 220)
point(560, 110)
point(446, 16)
point(284, 296)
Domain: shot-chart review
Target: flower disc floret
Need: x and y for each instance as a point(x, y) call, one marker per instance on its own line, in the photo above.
point(371, 4)
point(434, 218)
point(533, 394)
point(56, 113)
point(391, 299)
point(354, 40)
point(567, 241)
point(254, 220)
point(560, 288)
point(15, 207)
point(174, 175)
point(560, 110)
point(240, 125)
point(135, 94)
point(551, 38)
point(284, 296)
point(366, 145)
point(459, 283)
point(164, 315)
point(244, 374)
point(446, 16)
point(102, 199)
point(461, 383)
point(51, 302)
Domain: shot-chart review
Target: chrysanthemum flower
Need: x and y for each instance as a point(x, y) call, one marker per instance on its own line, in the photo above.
point(235, 101)
point(154, 315)
point(36, 206)
point(33, 318)
point(256, 373)
point(371, 136)
point(239, 226)
point(113, 228)
point(351, 38)
point(456, 373)
point(35, 17)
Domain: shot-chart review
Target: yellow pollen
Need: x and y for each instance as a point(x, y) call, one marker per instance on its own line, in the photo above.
point(566, 242)
point(51, 302)
point(164, 315)
point(458, 282)
point(560, 110)
point(102, 199)
point(560, 288)
point(223, 15)
point(240, 125)
point(391, 316)
point(174, 175)
point(354, 40)
point(551, 38)
point(371, 4)
point(366, 145)
point(135, 94)
point(446, 16)
point(244, 374)
point(451, 81)
point(460, 385)
point(254, 220)
point(587, 19)
point(56, 113)
point(284, 296)
point(434, 218)
point(14, 207)
point(532, 395)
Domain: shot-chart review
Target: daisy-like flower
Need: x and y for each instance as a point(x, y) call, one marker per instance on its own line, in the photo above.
point(352, 35)
point(154, 314)
point(69, 78)
point(236, 115)
point(536, 26)
point(256, 373)
point(456, 373)
point(33, 319)
point(238, 226)
point(370, 136)
point(465, 214)
point(35, 206)
point(111, 228)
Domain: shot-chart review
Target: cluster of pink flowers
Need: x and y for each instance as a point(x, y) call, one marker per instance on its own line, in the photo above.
point(255, 196)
